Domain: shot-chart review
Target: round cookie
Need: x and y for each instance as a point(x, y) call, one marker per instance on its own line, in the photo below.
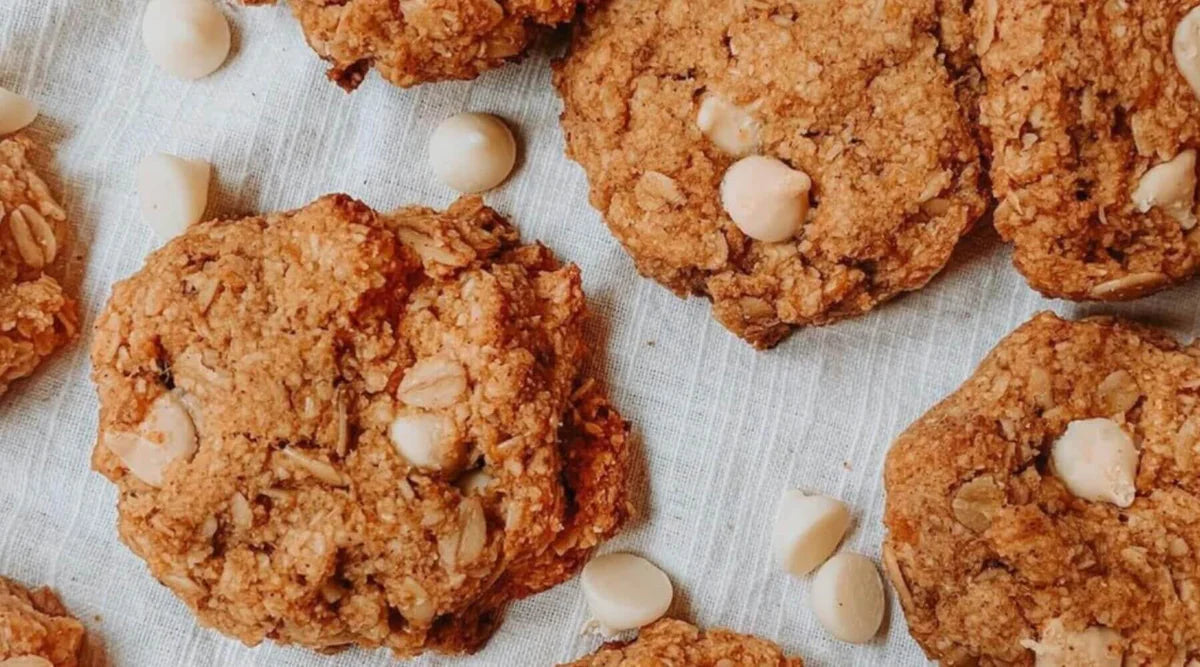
point(995, 561)
point(677, 643)
point(417, 41)
point(332, 427)
point(36, 315)
point(1082, 99)
point(858, 100)
point(36, 630)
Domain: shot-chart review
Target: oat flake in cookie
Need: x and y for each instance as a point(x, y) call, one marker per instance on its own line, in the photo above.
point(417, 41)
point(999, 556)
point(36, 630)
point(670, 642)
point(36, 315)
point(332, 427)
point(662, 98)
point(1084, 102)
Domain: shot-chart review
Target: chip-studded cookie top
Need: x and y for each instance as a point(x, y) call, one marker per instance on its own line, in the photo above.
point(36, 315)
point(333, 427)
point(854, 94)
point(416, 41)
point(34, 624)
point(1082, 99)
point(671, 642)
point(995, 560)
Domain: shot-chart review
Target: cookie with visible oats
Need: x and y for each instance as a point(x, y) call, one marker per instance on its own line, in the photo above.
point(335, 427)
point(661, 98)
point(671, 642)
point(36, 630)
point(36, 315)
point(410, 42)
point(995, 561)
point(1083, 101)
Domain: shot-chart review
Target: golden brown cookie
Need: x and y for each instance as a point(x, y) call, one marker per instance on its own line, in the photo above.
point(332, 427)
point(671, 642)
point(36, 630)
point(36, 315)
point(417, 41)
point(854, 94)
point(1082, 100)
point(995, 560)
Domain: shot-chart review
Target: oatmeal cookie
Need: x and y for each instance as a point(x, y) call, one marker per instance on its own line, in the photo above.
point(417, 41)
point(36, 315)
point(36, 629)
point(1082, 100)
point(677, 643)
point(854, 94)
point(996, 561)
point(336, 427)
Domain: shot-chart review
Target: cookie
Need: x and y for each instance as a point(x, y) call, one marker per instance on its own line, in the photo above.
point(36, 630)
point(335, 427)
point(37, 316)
point(996, 554)
point(858, 100)
point(1082, 100)
point(671, 642)
point(418, 41)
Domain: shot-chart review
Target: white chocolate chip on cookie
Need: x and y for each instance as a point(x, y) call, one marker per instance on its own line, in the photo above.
point(1171, 187)
point(173, 193)
point(1096, 646)
point(806, 531)
point(1097, 461)
point(472, 152)
point(730, 127)
point(166, 434)
point(847, 598)
point(765, 198)
point(190, 39)
point(1186, 48)
point(16, 111)
point(426, 441)
point(624, 591)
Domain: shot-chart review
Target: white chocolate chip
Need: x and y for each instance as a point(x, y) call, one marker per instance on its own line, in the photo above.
point(624, 591)
point(1170, 186)
point(426, 441)
point(1097, 461)
point(166, 434)
point(847, 597)
point(16, 111)
point(173, 193)
point(729, 126)
point(189, 39)
point(472, 152)
point(1186, 48)
point(765, 198)
point(1096, 646)
point(807, 529)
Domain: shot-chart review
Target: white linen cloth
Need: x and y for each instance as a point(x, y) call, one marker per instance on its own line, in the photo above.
point(722, 429)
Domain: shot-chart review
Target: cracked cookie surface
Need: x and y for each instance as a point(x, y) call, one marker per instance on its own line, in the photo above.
point(672, 642)
point(1082, 99)
point(35, 624)
point(854, 94)
point(36, 315)
point(993, 558)
point(272, 387)
point(416, 41)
